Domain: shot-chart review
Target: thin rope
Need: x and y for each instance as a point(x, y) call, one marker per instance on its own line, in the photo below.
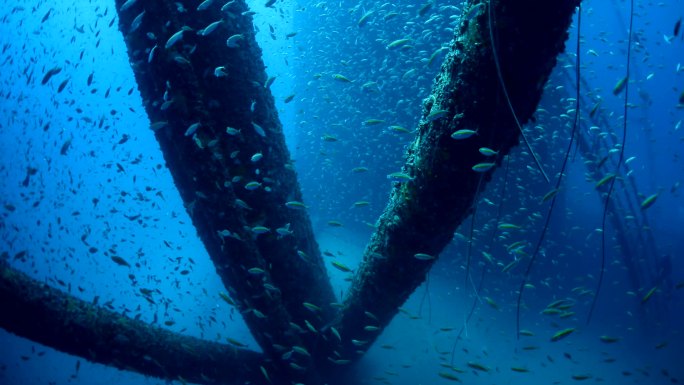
point(508, 99)
point(558, 181)
point(617, 169)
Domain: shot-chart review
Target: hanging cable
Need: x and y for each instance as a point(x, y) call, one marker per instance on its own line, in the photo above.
point(575, 123)
point(476, 299)
point(617, 168)
point(505, 92)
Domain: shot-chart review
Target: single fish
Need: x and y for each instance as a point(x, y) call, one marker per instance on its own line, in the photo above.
point(175, 38)
point(62, 85)
point(486, 151)
point(677, 27)
point(127, 5)
point(364, 19)
point(204, 5)
point(135, 24)
point(434, 55)
point(449, 376)
point(341, 267)
point(295, 205)
point(260, 230)
point(648, 295)
point(477, 366)
point(399, 129)
point(311, 307)
point(232, 131)
point(604, 180)
point(269, 81)
point(619, 86)
point(341, 78)
point(463, 134)
point(483, 167)
point(397, 43)
point(220, 72)
point(192, 129)
point(251, 186)
point(233, 41)
point(399, 177)
point(423, 257)
point(259, 130)
point(562, 334)
point(52, 72)
point(436, 114)
point(209, 28)
point(120, 261)
point(609, 339)
point(372, 122)
point(649, 201)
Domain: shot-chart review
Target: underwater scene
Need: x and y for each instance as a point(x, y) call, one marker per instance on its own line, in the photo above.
point(341, 192)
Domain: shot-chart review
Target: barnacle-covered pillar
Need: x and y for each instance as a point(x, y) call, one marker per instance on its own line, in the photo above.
point(204, 88)
point(444, 169)
point(34, 310)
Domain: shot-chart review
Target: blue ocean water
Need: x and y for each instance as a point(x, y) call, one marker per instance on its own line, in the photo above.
point(81, 173)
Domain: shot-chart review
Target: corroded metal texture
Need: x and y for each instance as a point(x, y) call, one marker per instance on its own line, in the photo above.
point(440, 184)
point(34, 310)
point(204, 88)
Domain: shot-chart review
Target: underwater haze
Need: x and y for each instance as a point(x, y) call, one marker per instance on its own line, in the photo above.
point(82, 178)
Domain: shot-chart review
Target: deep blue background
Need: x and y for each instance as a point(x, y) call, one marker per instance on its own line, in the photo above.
point(57, 207)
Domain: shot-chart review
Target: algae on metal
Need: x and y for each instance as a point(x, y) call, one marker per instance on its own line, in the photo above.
point(48, 316)
point(210, 169)
point(423, 213)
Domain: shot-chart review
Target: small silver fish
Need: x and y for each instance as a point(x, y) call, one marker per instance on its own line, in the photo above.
point(284, 231)
point(260, 230)
point(233, 41)
point(204, 5)
point(436, 114)
point(192, 129)
point(136, 22)
point(220, 72)
point(252, 186)
point(210, 28)
point(174, 39)
point(259, 130)
point(399, 176)
point(127, 5)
